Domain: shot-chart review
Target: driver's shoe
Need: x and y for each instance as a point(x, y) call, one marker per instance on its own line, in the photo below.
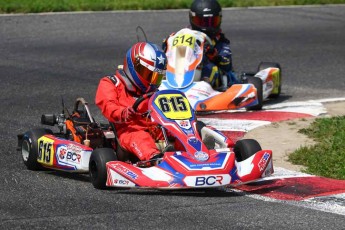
point(156, 159)
point(151, 162)
point(168, 148)
point(209, 142)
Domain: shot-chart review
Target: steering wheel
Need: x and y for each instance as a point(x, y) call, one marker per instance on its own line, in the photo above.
point(140, 100)
point(83, 102)
point(208, 40)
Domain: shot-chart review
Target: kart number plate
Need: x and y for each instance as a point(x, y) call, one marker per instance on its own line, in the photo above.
point(184, 40)
point(45, 151)
point(174, 106)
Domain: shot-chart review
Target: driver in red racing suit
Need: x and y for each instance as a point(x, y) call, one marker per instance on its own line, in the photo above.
point(143, 69)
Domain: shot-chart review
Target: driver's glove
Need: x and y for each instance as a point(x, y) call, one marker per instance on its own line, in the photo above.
point(165, 43)
point(128, 114)
point(212, 54)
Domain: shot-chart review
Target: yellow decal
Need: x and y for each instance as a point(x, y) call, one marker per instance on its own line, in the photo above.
point(45, 151)
point(174, 106)
point(276, 80)
point(184, 40)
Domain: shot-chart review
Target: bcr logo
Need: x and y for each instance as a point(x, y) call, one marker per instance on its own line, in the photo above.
point(210, 180)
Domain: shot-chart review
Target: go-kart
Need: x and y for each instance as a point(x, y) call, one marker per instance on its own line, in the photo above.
point(204, 158)
point(185, 50)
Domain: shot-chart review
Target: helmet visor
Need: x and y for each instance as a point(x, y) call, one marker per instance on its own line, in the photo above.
point(206, 22)
point(151, 77)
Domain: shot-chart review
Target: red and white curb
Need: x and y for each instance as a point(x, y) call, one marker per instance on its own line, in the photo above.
point(286, 186)
point(299, 189)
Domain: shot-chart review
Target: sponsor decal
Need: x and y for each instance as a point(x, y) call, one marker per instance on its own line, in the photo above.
point(184, 123)
point(201, 92)
point(74, 157)
point(193, 97)
point(201, 156)
point(74, 148)
point(263, 161)
point(208, 180)
point(121, 182)
point(137, 150)
point(126, 171)
point(118, 181)
point(66, 154)
point(219, 163)
point(62, 153)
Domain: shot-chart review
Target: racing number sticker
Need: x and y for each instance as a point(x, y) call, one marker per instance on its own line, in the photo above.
point(184, 40)
point(45, 151)
point(174, 106)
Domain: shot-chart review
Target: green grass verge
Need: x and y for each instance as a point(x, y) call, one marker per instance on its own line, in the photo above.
point(36, 6)
point(327, 157)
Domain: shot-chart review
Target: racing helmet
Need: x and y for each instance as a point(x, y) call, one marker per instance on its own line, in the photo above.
point(206, 16)
point(145, 66)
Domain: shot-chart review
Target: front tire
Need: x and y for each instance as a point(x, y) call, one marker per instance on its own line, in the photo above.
point(246, 148)
point(257, 82)
point(29, 147)
point(97, 166)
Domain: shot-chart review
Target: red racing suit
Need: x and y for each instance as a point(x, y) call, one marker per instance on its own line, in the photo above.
point(112, 97)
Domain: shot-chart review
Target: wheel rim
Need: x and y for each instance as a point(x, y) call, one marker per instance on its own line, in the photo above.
point(25, 150)
point(93, 170)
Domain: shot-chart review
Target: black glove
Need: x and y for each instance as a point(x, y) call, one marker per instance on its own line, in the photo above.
point(211, 52)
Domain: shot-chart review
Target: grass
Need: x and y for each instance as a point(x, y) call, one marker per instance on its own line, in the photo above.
point(36, 6)
point(327, 157)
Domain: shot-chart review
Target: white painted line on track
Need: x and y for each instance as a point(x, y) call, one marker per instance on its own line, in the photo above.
point(313, 108)
point(330, 100)
point(332, 204)
point(233, 124)
point(281, 173)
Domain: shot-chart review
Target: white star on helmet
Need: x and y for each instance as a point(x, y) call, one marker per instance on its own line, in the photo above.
point(161, 59)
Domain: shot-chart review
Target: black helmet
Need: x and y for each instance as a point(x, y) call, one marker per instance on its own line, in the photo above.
point(206, 16)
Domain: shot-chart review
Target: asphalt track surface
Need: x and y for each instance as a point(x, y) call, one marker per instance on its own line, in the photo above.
point(44, 57)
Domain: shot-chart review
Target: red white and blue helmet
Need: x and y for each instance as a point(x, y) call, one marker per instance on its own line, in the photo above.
point(145, 64)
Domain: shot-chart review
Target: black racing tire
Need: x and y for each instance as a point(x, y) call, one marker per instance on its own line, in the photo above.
point(264, 65)
point(29, 147)
point(97, 166)
point(257, 82)
point(246, 148)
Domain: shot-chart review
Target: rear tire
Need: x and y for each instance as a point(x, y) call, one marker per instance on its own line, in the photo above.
point(257, 82)
point(97, 166)
point(265, 65)
point(246, 148)
point(29, 147)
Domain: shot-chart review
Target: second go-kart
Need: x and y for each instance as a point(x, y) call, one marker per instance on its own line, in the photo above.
point(204, 158)
point(185, 52)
